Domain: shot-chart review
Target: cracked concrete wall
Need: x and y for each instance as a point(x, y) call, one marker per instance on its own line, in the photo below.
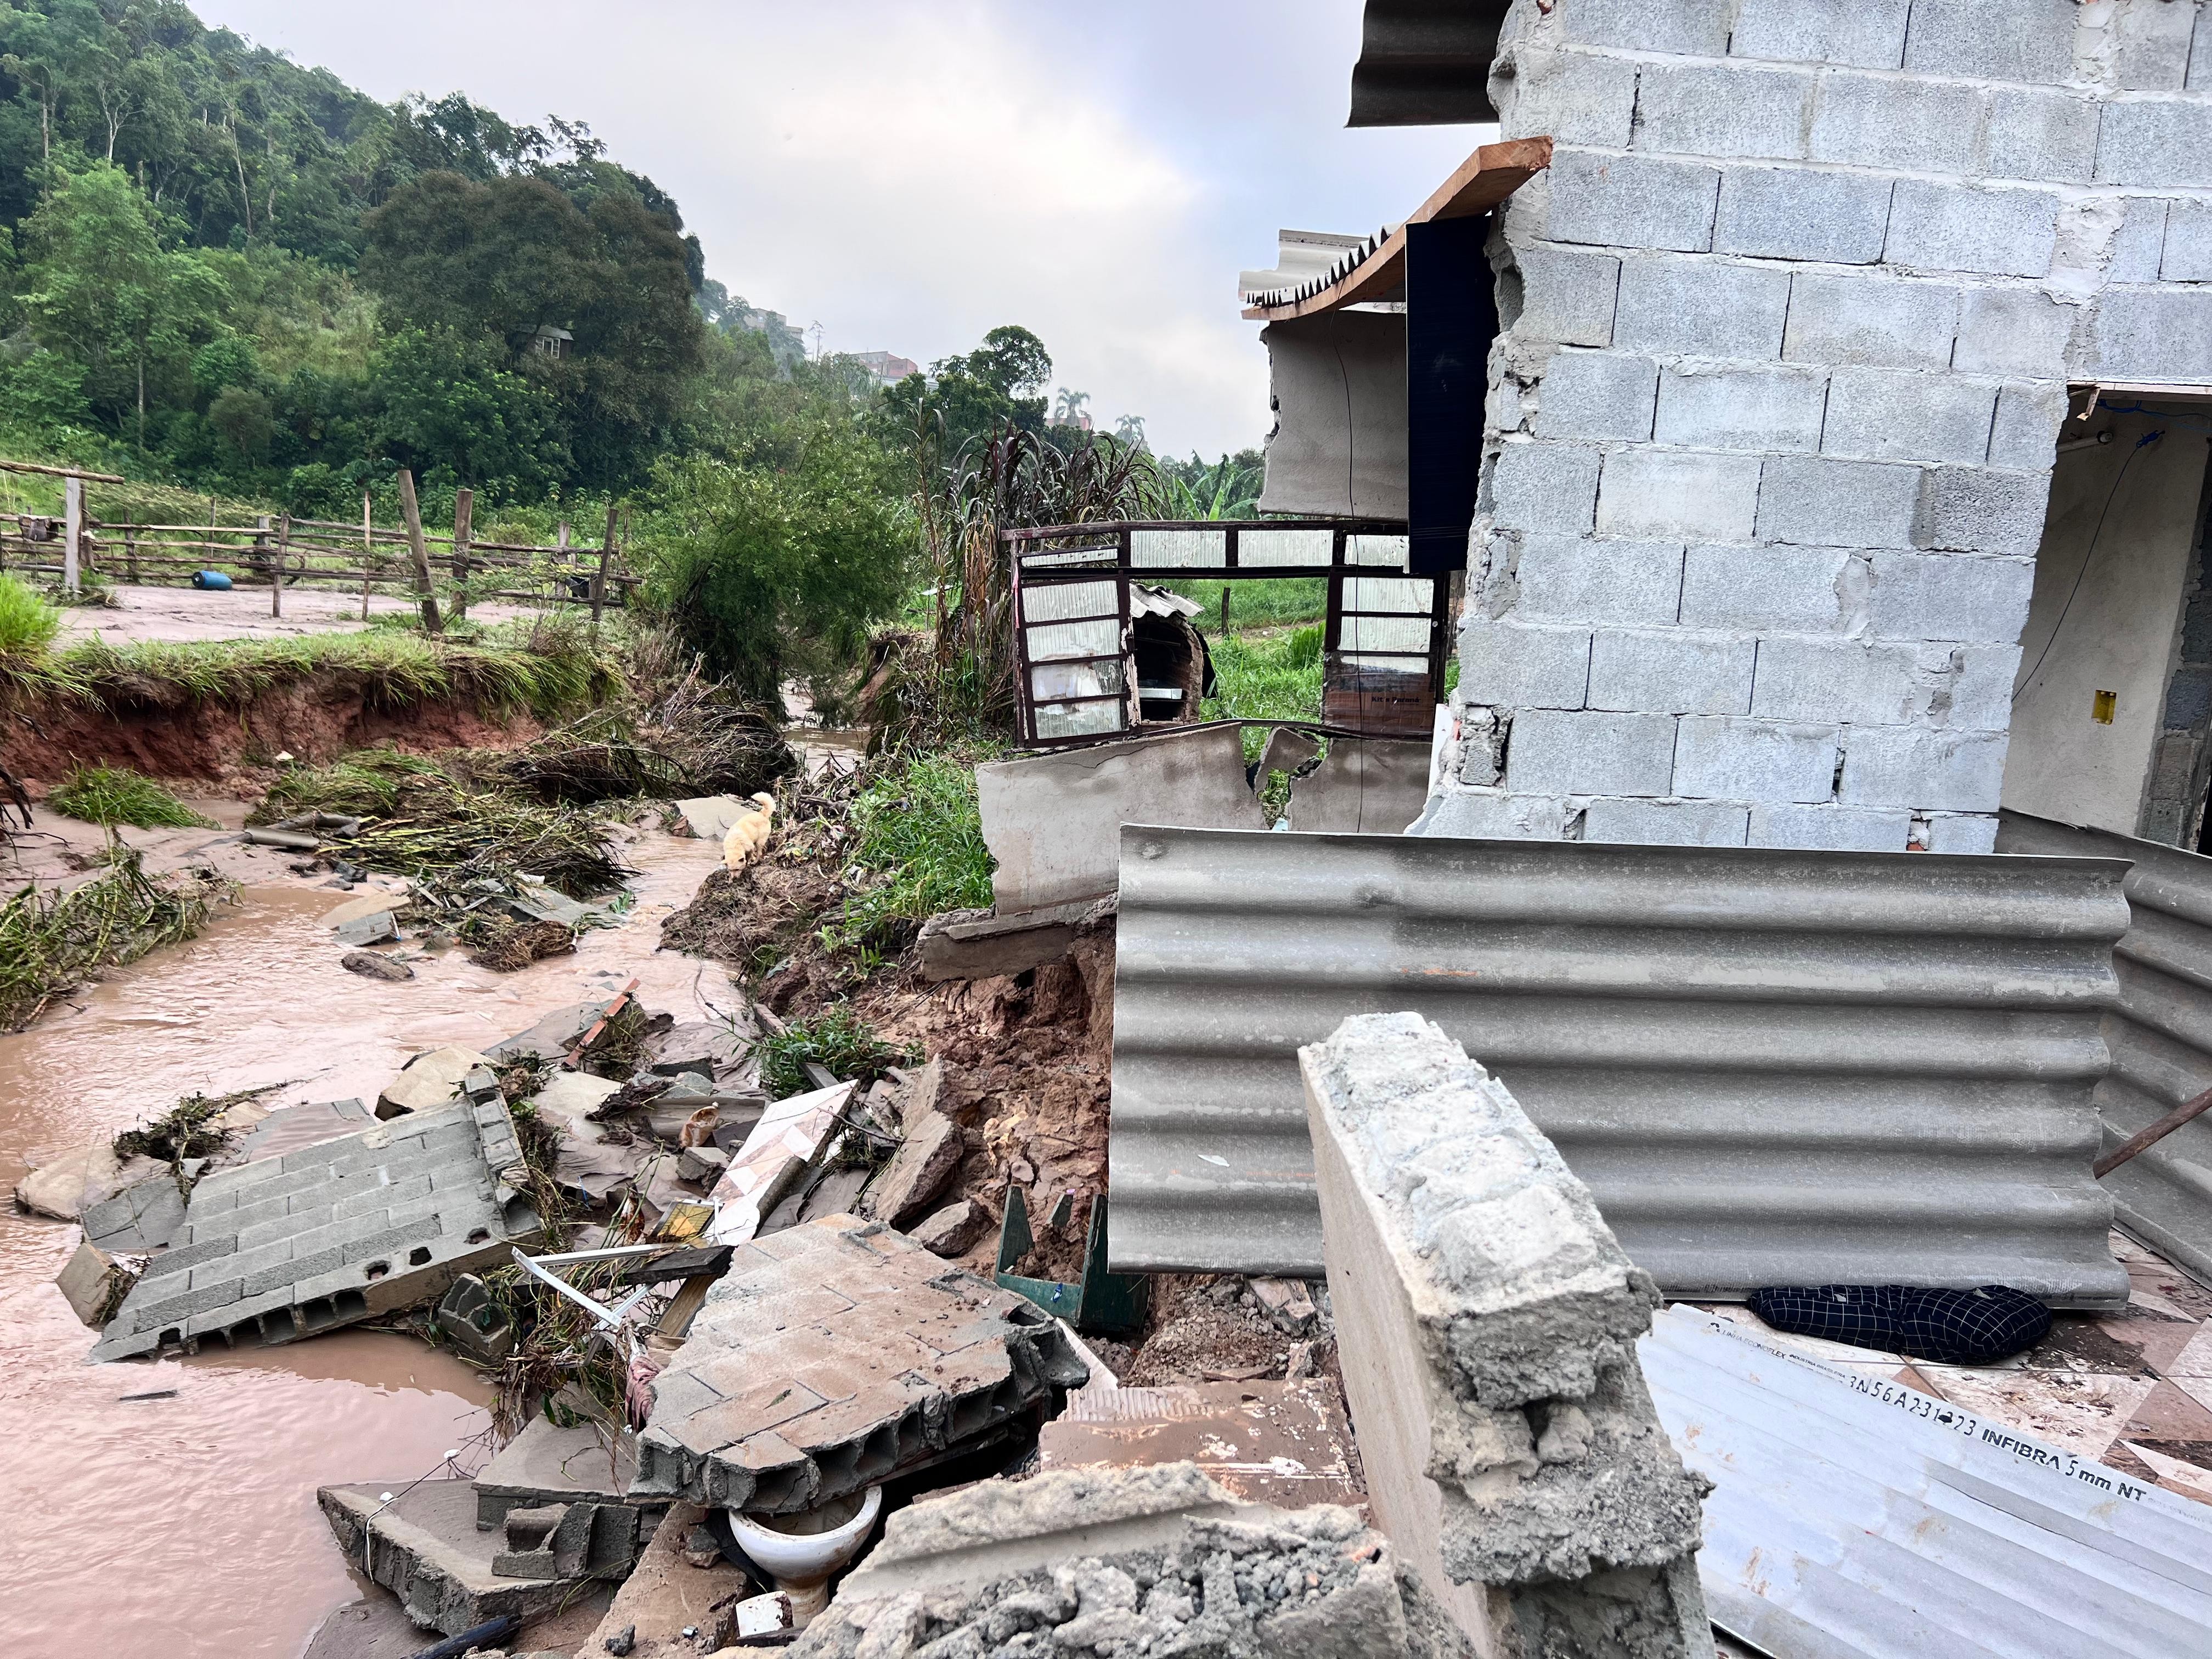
point(1486, 1322)
point(1788, 329)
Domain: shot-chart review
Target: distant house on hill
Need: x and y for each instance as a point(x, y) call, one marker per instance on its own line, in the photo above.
point(888, 366)
point(547, 341)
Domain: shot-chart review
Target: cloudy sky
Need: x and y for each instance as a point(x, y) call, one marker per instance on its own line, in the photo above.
point(911, 172)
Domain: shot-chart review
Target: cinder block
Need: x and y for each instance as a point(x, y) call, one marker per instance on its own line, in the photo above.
point(1597, 394)
point(1701, 308)
point(2150, 139)
point(2139, 245)
point(1543, 486)
point(2149, 334)
point(1975, 510)
point(1699, 28)
point(1924, 769)
point(1566, 579)
point(1494, 815)
point(2015, 330)
point(1962, 834)
point(392, 1239)
point(2152, 53)
point(2188, 255)
point(1556, 752)
point(1631, 201)
point(1885, 321)
point(1802, 213)
point(1830, 829)
point(1976, 694)
point(1761, 407)
point(1880, 121)
point(1814, 502)
point(1950, 596)
point(1797, 589)
point(1563, 294)
point(1723, 759)
point(1666, 823)
point(1505, 665)
point(1662, 494)
point(2042, 132)
point(1907, 415)
point(1671, 672)
point(2025, 433)
point(1998, 232)
point(222, 1188)
point(1855, 33)
point(1723, 109)
point(1572, 98)
point(244, 1265)
point(2030, 41)
point(1846, 680)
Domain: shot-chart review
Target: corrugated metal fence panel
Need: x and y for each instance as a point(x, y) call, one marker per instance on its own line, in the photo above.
point(1852, 1518)
point(1772, 1068)
point(2161, 1035)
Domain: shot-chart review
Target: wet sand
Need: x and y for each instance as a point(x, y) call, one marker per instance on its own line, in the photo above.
point(156, 612)
point(186, 1526)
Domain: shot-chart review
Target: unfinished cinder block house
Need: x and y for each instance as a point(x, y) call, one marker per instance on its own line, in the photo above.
point(1840, 469)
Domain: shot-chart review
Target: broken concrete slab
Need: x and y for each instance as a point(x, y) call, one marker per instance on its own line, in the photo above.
point(63, 1185)
point(953, 1230)
point(551, 1037)
point(591, 1161)
point(1363, 787)
point(568, 1542)
point(363, 905)
point(373, 929)
point(1129, 1561)
point(778, 1151)
point(142, 1217)
point(666, 1595)
point(719, 1051)
point(421, 1542)
point(430, 1079)
point(984, 945)
point(1052, 822)
point(834, 1356)
point(1485, 1322)
point(587, 1462)
point(85, 1281)
point(1285, 1444)
point(709, 817)
point(333, 1234)
point(287, 1129)
point(930, 1152)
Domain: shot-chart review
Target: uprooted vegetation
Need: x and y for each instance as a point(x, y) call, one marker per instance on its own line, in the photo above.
point(52, 941)
point(111, 795)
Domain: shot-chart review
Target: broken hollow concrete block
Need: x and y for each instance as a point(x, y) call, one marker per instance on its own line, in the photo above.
point(1126, 1561)
point(1486, 1319)
point(927, 1157)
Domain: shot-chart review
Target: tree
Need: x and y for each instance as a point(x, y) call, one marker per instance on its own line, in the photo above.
point(999, 383)
point(454, 411)
point(1067, 410)
point(1130, 429)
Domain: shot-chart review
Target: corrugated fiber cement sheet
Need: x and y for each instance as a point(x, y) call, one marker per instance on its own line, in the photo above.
point(1772, 1067)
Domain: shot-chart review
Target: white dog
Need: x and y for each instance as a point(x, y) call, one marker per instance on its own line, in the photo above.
point(748, 837)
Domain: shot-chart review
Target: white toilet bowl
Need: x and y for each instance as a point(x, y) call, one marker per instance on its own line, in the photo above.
point(803, 1551)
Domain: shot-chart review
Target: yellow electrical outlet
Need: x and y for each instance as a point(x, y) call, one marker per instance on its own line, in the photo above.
point(2104, 706)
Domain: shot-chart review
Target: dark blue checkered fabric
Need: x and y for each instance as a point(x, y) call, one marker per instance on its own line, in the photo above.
point(1951, 1328)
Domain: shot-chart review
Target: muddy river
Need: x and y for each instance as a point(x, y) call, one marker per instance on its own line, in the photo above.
point(186, 1524)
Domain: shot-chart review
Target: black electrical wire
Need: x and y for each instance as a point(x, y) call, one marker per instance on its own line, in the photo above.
point(2088, 558)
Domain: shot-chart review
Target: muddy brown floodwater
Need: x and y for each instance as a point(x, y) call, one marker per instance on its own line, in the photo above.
point(186, 1525)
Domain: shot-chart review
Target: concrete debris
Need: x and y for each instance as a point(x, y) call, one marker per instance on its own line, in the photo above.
point(475, 1323)
point(430, 1079)
point(927, 1156)
point(1151, 1560)
point(366, 906)
point(709, 817)
point(551, 1037)
point(777, 1152)
point(1287, 1303)
point(718, 1052)
point(333, 1234)
point(372, 929)
point(88, 1283)
point(421, 1541)
point(832, 1357)
point(567, 1540)
point(1265, 1443)
point(953, 1230)
point(547, 1464)
point(369, 965)
point(665, 1597)
point(982, 945)
point(591, 1161)
point(146, 1216)
point(1485, 1318)
point(63, 1186)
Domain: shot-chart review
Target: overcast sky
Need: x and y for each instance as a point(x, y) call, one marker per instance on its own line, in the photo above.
point(911, 172)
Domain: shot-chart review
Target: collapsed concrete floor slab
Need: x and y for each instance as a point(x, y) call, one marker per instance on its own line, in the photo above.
point(1148, 1560)
point(1487, 1318)
point(334, 1233)
point(833, 1356)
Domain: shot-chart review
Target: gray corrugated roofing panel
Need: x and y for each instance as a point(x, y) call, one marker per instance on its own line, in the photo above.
point(1855, 1518)
point(1425, 63)
point(2161, 1035)
point(1772, 1067)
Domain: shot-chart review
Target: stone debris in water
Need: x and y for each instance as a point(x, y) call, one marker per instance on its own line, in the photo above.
point(369, 965)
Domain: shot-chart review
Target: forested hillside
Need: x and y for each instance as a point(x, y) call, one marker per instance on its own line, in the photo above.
point(224, 270)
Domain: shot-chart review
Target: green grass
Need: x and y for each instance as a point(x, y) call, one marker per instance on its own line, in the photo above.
point(918, 848)
point(51, 941)
point(28, 622)
point(837, 1040)
point(1269, 604)
point(111, 795)
point(1267, 678)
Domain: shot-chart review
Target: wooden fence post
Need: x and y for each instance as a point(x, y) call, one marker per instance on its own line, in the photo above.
point(130, 556)
point(464, 508)
point(368, 551)
point(283, 547)
point(73, 530)
point(600, 581)
point(412, 511)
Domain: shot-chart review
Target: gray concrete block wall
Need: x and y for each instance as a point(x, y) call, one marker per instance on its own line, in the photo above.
point(1788, 331)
